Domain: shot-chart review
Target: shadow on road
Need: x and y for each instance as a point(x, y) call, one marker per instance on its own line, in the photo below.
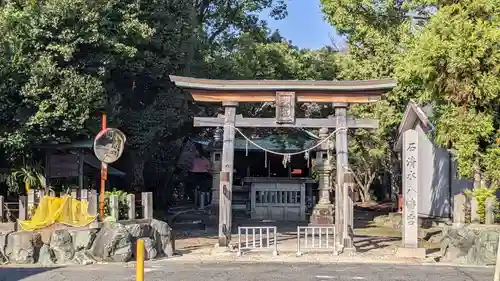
point(20, 273)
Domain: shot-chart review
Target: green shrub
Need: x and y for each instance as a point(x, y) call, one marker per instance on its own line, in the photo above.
point(122, 203)
point(481, 194)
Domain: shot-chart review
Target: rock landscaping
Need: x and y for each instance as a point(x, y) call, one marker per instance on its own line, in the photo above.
point(471, 244)
point(111, 242)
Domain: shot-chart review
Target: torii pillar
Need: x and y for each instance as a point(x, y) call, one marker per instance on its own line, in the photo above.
point(341, 152)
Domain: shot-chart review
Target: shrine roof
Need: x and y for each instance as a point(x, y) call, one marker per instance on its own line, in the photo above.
point(412, 116)
point(283, 85)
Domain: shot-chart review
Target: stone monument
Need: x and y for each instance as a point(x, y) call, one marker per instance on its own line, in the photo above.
point(411, 177)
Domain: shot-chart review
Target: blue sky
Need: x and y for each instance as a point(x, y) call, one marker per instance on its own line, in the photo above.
point(305, 25)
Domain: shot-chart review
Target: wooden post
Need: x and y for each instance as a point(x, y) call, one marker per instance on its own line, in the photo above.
point(474, 207)
point(31, 203)
point(104, 173)
point(196, 196)
point(268, 164)
point(114, 207)
point(73, 196)
point(489, 211)
point(23, 208)
point(2, 209)
point(31, 197)
point(147, 205)
point(131, 206)
point(74, 193)
point(93, 208)
point(225, 195)
point(81, 155)
point(459, 209)
point(47, 172)
point(41, 194)
point(342, 167)
point(84, 195)
point(69, 208)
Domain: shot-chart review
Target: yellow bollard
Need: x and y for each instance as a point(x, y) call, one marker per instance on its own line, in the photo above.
point(139, 264)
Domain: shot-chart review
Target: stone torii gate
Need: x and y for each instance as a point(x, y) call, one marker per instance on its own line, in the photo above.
point(286, 94)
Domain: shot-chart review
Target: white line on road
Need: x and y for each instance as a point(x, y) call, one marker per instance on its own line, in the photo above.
point(151, 269)
point(334, 277)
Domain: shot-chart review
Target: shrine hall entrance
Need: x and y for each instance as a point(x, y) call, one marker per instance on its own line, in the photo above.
point(280, 201)
point(267, 188)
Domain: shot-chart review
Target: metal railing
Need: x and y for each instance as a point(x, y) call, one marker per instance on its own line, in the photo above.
point(9, 212)
point(260, 238)
point(316, 237)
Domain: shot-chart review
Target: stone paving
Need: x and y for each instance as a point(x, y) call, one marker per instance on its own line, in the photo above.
point(373, 244)
point(200, 246)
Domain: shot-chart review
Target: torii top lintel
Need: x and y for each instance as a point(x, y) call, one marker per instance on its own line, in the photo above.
point(211, 90)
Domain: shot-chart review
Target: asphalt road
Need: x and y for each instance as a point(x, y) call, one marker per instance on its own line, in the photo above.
point(175, 271)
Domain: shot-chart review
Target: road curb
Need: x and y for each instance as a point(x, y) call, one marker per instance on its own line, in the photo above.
point(228, 258)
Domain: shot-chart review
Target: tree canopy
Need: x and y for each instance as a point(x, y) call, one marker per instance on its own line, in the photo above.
point(448, 60)
point(453, 64)
point(62, 63)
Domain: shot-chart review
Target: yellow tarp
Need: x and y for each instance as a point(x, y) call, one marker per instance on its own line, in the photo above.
point(64, 210)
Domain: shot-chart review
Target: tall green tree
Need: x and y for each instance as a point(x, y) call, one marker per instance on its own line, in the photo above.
point(154, 113)
point(141, 101)
point(449, 62)
point(453, 64)
point(54, 58)
point(61, 63)
point(376, 32)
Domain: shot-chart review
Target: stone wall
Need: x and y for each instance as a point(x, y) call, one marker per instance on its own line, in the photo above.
point(471, 244)
point(111, 242)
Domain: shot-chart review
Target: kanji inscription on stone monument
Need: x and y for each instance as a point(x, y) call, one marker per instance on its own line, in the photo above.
point(410, 189)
